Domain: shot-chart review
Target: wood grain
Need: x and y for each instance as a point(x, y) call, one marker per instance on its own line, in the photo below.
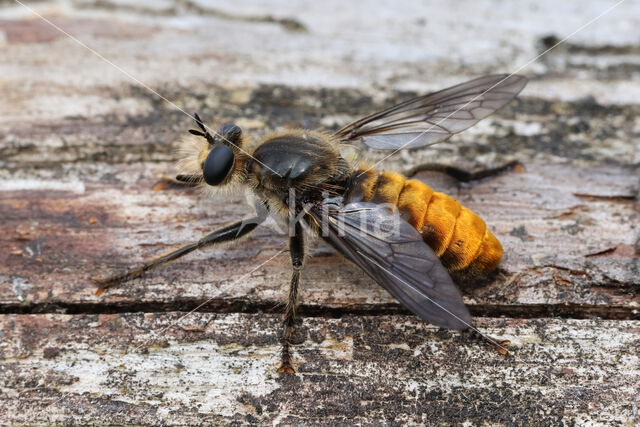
point(87, 148)
point(220, 368)
point(569, 250)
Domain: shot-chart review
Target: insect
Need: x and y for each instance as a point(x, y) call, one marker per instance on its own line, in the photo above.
point(301, 176)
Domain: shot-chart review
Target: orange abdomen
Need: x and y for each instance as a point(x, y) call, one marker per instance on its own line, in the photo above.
point(457, 235)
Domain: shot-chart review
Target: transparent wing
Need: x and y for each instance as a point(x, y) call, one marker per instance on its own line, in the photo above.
point(432, 118)
point(393, 254)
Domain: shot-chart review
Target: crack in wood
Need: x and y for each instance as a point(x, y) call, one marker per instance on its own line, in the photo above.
point(622, 198)
point(186, 7)
point(243, 306)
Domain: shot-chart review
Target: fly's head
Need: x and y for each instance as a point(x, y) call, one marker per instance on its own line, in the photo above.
point(214, 160)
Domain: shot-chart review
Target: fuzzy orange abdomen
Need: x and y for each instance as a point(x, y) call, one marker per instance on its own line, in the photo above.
point(457, 235)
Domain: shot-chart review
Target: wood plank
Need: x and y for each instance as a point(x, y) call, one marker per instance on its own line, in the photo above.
point(217, 368)
point(569, 249)
point(145, 128)
point(83, 148)
point(200, 43)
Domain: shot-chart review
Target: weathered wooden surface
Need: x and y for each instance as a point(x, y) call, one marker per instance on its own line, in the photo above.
point(141, 368)
point(569, 249)
point(84, 151)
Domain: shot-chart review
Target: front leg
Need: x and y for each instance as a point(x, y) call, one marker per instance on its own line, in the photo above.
point(296, 249)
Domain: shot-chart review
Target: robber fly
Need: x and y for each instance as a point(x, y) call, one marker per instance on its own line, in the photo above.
point(435, 235)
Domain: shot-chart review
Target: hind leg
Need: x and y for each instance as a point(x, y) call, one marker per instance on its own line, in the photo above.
point(462, 175)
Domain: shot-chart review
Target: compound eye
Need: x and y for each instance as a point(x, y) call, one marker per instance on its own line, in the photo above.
point(231, 132)
point(217, 165)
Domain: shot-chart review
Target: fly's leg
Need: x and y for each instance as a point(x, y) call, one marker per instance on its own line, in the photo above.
point(462, 175)
point(296, 248)
point(182, 180)
point(190, 180)
point(497, 344)
point(225, 234)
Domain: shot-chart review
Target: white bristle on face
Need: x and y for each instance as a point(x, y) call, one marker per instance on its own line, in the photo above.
point(191, 153)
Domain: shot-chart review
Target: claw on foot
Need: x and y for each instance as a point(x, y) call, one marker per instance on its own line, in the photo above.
point(502, 348)
point(518, 167)
point(102, 286)
point(286, 369)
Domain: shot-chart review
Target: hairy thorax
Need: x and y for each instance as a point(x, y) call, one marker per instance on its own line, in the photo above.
point(306, 162)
